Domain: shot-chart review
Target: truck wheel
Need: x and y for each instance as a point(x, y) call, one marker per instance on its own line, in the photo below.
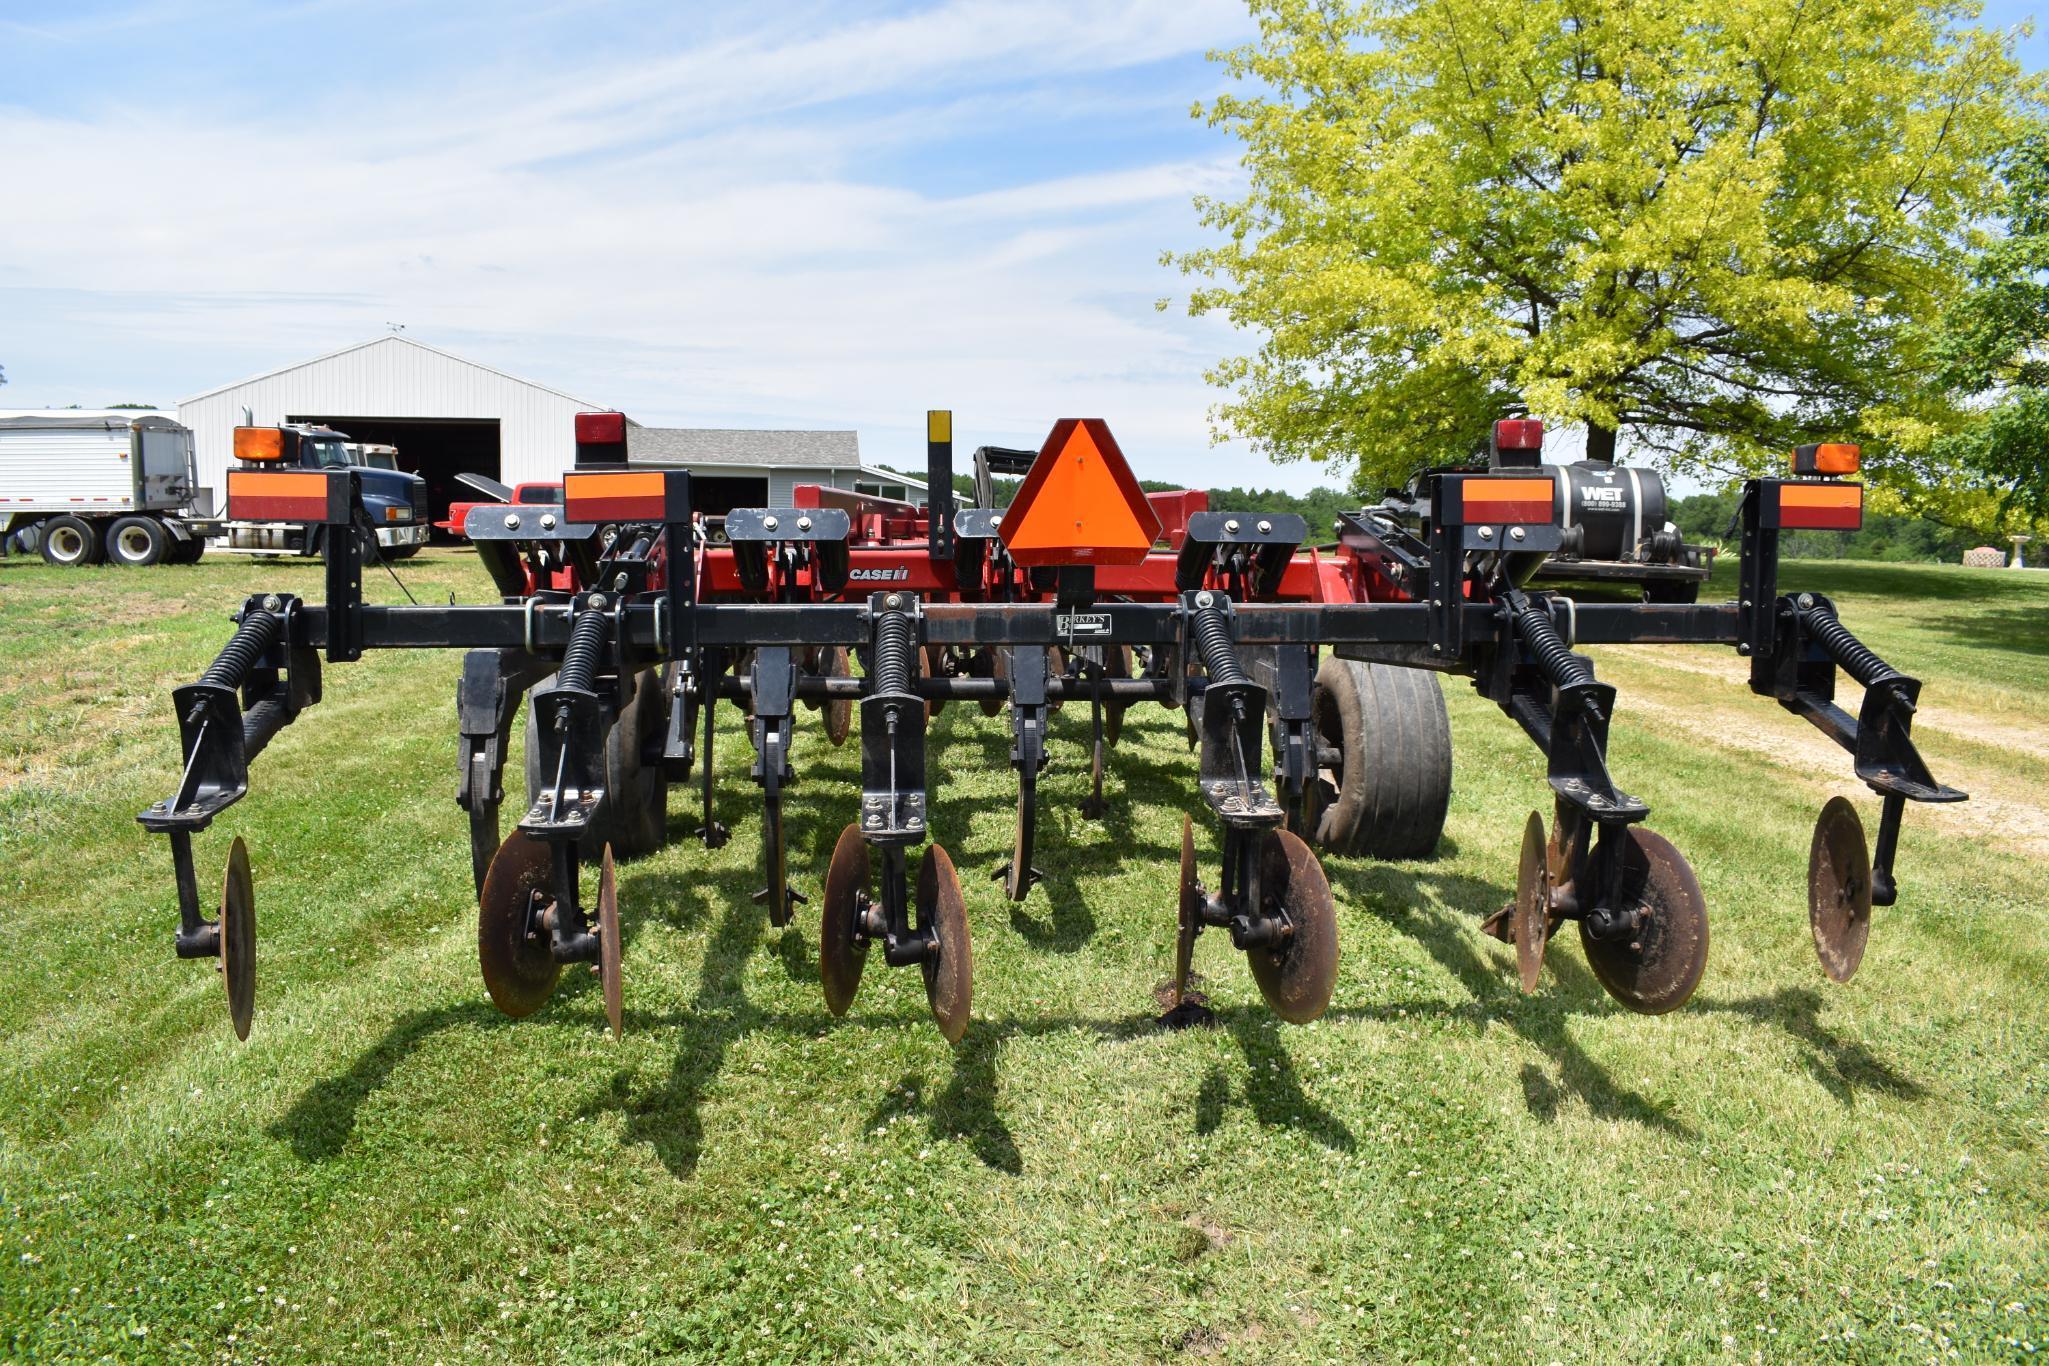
point(1387, 794)
point(1671, 590)
point(137, 542)
point(186, 551)
point(69, 542)
point(399, 552)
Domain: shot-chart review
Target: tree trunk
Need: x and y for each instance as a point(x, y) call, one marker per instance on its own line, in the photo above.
point(1601, 443)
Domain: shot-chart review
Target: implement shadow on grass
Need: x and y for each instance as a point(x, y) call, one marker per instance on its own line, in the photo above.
point(966, 1107)
point(1273, 1088)
point(1404, 900)
point(321, 1121)
point(668, 1117)
point(1840, 1066)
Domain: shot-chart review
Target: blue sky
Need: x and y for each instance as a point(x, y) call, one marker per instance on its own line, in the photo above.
point(750, 215)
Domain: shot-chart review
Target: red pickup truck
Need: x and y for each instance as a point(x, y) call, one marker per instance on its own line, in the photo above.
point(458, 513)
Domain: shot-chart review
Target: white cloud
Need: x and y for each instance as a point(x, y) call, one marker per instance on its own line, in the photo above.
point(702, 237)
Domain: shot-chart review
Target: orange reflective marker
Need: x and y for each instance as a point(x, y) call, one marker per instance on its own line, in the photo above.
point(277, 496)
point(1079, 503)
point(1821, 507)
point(1497, 500)
point(614, 497)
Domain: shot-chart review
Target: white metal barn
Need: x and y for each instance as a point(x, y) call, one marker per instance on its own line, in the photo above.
point(446, 415)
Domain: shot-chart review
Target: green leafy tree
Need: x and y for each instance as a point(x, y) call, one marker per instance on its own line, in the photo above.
point(1994, 346)
point(1714, 228)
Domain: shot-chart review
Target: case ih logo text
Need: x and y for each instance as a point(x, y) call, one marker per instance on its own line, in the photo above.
point(881, 574)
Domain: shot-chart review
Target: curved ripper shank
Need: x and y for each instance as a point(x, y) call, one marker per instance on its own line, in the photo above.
point(624, 650)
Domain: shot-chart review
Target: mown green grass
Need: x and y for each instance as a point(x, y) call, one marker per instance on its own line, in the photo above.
point(1443, 1167)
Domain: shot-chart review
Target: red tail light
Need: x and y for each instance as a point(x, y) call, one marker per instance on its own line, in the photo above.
point(1519, 434)
point(600, 429)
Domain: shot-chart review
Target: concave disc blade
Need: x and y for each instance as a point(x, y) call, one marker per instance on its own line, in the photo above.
point(238, 938)
point(986, 663)
point(1297, 978)
point(1565, 853)
point(483, 839)
point(519, 971)
point(839, 711)
point(932, 664)
point(608, 941)
point(1532, 904)
point(1655, 967)
point(1116, 664)
point(949, 978)
point(1839, 889)
point(809, 660)
point(780, 906)
point(1189, 917)
point(840, 959)
point(1017, 882)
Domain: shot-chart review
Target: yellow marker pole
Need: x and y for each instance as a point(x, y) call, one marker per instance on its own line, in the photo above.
point(939, 482)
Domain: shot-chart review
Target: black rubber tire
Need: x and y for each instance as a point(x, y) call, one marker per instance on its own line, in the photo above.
point(640, 803)
point(190, 552)
point(69, 543)
point(634, 818)
point(1394, 737)
point(1671, 590)
point(398, 552)
point(137, 542)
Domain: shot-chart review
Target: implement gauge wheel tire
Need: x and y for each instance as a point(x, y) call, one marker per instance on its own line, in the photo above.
point(137, 542)
point(1671, 590)
point(1387, 795)
point(70, 543)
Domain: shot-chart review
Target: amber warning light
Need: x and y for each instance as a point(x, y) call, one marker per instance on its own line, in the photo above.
point(259, 443)
point(1079, 503)
point(1829, 457)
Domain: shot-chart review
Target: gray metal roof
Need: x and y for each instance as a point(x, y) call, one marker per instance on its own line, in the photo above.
point(103, 419)
point(742, 446)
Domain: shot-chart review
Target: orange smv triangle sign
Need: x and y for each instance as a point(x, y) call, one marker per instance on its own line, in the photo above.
point(1079, 503)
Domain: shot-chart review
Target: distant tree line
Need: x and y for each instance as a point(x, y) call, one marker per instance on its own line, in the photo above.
point(1703, 518)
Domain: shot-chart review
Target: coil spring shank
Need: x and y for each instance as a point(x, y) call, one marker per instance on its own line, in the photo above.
point(257, 633)
point(1559, 664)
point(1856, 659)
point(895, 642)
point(586, 644)
point(1219, 656)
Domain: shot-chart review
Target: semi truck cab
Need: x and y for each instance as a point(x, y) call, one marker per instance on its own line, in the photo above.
point(395, 501)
